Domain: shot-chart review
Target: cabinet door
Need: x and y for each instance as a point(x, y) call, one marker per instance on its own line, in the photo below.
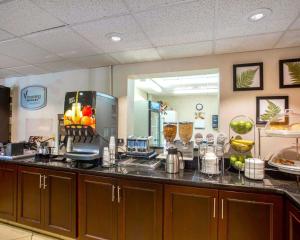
point(97, 208)
point(60, 202)
point(190, 213)
point(30, 201)
point(8, 193)
point(250, 216)
point(140, 210)
point(293, 222)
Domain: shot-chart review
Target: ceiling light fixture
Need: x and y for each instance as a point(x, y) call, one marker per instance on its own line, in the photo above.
point(196, 91)
point(148, 85)
point(259, 14)
point(114, 37)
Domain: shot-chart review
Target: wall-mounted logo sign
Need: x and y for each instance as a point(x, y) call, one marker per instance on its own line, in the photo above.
point(34, 97)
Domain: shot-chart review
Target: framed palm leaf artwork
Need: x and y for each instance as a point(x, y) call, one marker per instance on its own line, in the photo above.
point(289, 73)
point(248, 76)
point(269, 107)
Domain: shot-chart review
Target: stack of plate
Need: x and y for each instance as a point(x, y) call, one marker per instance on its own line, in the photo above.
point(254, 168)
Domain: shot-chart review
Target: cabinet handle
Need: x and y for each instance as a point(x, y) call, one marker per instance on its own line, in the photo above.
point(40, 181)
point(119, 197)
point(214, 214)
point(45, 182)
point(222, 212)
point(113, 193)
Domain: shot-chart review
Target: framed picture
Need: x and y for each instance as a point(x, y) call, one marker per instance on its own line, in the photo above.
point(289, 73)
point(269, 107)
point(248, 76)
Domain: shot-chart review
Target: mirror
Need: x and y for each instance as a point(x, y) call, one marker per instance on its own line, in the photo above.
point(173, 98)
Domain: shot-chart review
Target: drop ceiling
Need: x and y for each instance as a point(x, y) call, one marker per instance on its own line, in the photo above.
point(40, 36)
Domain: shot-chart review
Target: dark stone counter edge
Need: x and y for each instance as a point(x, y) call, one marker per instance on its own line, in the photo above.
point(209, 184)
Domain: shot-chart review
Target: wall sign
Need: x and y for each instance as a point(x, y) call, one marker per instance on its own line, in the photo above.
point(34, 97)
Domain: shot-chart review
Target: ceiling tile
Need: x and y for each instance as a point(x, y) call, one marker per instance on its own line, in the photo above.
point(141, 5)
point(20, 49)
point(296, 25)
point(132, 36)
point(75, 11)
point(8, 62)
point(23, 17)
point(58, 66)
point(249, 43)
point(28, 70)
point(185, 50)
point(233, 21)
point(94, 61)
point(142, 55)
point(180, 23)
point(63, 42)
point(290, 39)
point(5, 35)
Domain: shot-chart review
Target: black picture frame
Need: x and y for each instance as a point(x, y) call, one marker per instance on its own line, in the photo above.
point(258, 99)
point(281, 73)
point(261, 76)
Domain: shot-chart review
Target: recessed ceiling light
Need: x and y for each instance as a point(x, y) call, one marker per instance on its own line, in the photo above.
point(259, 14)
point(115, 37)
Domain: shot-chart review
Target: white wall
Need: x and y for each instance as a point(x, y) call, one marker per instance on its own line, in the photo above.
point(231, 103)
point(185, 107)
point(57, 85)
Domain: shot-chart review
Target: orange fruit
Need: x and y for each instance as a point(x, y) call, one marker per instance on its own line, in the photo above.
point(67, 122)
point(86, 121)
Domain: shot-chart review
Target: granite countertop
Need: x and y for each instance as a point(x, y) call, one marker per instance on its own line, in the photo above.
point(230, 181)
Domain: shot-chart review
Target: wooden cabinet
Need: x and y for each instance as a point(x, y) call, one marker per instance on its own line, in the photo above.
point(8, 193)
point(140, 210)
point(119, 209)
point(293, 222)
point(30, 200)
point(116, 209)
point(60, 202)
point(190, 213)
point(97, 208)
point(47, 200)
point(196, 213)
point(250, 216)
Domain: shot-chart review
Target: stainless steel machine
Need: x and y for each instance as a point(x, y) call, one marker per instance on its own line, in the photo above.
point(90, 120)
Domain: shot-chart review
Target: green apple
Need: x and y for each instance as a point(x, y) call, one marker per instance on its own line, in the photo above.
point(234, 125)
point(248, 126)
point(238, 165)
point(233, 159)
point(241, 158)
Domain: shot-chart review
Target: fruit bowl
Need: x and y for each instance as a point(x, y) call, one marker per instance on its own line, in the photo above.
point(237, 161)
point(241, 124)
point(240, 145)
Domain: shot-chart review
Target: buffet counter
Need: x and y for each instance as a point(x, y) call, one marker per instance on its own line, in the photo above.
point(230, 181)
point(68, 200)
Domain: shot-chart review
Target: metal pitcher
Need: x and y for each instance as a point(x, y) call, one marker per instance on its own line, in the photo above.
point(173, 160)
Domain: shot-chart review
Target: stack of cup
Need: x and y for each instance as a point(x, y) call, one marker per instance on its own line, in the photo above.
point(254, 168)
point(106, 158)
point(112, 150)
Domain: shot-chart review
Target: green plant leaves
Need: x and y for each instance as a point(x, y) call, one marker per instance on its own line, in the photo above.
point(245, 79)
point(294, 71)
point(272, 111)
